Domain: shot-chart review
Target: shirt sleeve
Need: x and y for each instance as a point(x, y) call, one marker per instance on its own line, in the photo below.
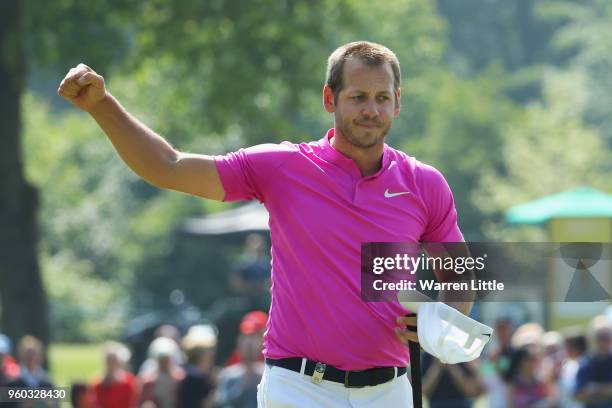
point(442, 216)
point(245, 174)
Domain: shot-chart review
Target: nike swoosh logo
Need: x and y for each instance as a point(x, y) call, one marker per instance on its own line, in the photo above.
point(389, 195)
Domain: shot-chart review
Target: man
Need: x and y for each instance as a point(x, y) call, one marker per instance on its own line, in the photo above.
point(252, 274)
point(196, 389)
point(237, 384)
point(498, 362)
point(159, 386)
point(575, 349)
point(32, 374)
point(450, 385)
point(30, 352)
point(594, 377)
point(252, 323)
point(324, 346)
point(118, 387)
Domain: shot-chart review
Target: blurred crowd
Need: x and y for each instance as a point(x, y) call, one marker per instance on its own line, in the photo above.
point(526, 367)
point(179, 370)
point(523, 366)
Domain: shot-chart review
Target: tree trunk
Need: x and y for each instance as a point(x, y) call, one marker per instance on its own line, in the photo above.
point(23, 300)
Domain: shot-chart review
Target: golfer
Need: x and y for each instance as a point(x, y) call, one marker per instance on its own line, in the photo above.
point(324, 346)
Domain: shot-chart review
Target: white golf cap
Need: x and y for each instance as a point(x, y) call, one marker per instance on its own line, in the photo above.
point(201, 335)
point(163, 347)
point(446, 333)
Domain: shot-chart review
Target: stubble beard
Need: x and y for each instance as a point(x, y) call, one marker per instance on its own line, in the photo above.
point(366, 141)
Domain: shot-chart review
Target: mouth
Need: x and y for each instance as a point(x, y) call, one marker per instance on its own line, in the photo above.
point(368, 125)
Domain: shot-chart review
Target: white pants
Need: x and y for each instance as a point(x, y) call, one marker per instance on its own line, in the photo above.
point(282, 388)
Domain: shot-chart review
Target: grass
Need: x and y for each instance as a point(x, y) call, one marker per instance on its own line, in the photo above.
point(75, 362)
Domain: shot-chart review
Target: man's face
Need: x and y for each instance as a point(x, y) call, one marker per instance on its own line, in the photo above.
point(250, 346)
point(32, 357)
point(112, 363)
point(504, 330)
point(367, 104)
point(603, 339)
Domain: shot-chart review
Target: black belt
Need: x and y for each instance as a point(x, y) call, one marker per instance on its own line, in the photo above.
point(350, 379)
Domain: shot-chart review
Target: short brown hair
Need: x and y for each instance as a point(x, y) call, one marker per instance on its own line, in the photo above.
point(368, 52)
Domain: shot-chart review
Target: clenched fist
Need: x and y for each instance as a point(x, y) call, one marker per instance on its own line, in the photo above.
point(82, 87)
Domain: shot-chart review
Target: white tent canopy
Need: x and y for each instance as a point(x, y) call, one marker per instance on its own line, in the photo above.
point(250, 217)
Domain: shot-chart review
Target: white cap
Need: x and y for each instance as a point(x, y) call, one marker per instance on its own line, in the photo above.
point(163, 347)
point(448, 334)
point(527, 334)
point(201, 335)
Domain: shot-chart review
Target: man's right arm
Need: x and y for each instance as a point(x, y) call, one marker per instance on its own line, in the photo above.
point(145, 152)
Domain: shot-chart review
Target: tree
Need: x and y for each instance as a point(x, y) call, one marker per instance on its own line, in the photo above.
point(46, 33)
point(23, 299)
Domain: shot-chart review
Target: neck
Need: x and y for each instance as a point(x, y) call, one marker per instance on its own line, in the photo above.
point(368, 160)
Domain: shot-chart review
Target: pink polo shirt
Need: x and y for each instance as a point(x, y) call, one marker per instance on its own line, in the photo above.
point(321, 210)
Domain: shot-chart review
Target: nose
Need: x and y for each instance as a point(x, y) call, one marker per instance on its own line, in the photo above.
point(370, 109)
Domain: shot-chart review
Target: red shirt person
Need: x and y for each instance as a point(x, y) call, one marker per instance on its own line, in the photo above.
point(252, 323)
point(118, 387)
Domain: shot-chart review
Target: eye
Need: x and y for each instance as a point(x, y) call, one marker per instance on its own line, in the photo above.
point(383, 98)
point(358, 97)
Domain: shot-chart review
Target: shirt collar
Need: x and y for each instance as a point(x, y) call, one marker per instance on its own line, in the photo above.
point(334, 156)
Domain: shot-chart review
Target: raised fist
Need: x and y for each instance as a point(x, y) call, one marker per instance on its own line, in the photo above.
point(82, 87)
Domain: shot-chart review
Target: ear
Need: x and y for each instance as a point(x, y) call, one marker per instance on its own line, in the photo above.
point(398, 105)
point(328, 99)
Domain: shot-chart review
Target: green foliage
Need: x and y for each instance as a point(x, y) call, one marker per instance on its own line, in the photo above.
point(62, 33)
point(459, 131)
point(237, 61)
point(549, 150)
point(586, 33)
point(510, 33)
point(83, 308)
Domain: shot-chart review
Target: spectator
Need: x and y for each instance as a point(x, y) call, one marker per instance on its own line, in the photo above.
point(118, 388)
point(9, 369)
point(529, 387)
point(252, 277)
point(450, 385)
point(496, 364)
point(528, 334)
point(554, 354)
point(159, 388)
point(594, 377)
point(81, 396)
point(575, 349)
point(252, 322)
point(32, 373)
point(238, 383)
point(149, 366)
point(195, 390)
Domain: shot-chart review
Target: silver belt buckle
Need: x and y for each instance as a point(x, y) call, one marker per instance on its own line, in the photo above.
point(319, 371)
